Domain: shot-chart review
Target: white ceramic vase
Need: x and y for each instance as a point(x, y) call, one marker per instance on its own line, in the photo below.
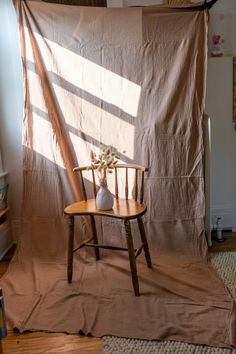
point(104, 198)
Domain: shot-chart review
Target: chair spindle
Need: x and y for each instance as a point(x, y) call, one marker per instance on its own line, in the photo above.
point(83, 187)
point(94, 184)
point(116, 185)
point(136, 186)
point(126, 184)
point(142, 188)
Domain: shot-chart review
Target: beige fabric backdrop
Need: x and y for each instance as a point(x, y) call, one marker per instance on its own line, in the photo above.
point(133, 79)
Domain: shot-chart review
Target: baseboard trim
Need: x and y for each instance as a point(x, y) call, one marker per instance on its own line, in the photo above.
point(227, 212)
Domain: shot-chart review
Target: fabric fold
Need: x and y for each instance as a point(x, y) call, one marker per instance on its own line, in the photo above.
point(133, 79)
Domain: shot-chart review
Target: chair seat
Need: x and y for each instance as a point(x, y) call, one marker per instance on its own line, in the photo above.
point(122, 209)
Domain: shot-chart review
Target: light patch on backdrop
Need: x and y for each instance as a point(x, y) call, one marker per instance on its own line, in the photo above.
point(28, 46)
point(45, 144)
point(94, 122)
point(35, 91)
point(90, 77)
point(79, 113)
point(84, 160)
point(43, 141)
point(84, 148)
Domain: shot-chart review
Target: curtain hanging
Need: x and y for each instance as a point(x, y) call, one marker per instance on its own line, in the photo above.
point(133, 79)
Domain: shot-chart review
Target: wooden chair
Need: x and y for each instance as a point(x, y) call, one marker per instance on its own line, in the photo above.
point(124, 209)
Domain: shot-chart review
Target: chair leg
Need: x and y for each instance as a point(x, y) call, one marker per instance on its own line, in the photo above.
point(70, 249)
point(145, 244)
point(132, 259)
point(95, 237)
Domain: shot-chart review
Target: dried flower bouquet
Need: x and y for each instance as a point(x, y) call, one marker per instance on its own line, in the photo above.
point(104, 162)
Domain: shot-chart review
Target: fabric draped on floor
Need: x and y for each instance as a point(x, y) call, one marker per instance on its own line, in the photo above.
point(134, 79)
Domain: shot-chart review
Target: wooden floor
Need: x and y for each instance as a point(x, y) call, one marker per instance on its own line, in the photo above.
point(229, 243)
point(56, 343)
point(46, 343)
point(53, 343)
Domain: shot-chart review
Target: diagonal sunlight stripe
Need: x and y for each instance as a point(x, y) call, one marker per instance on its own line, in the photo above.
point(44, 132)
point(69, 87)
point(84, 136)
point(35, 91)
point(89, 118)
point(91, 77)
point(103, 126)
point(86, 117)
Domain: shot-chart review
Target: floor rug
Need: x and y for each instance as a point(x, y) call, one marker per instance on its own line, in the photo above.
point(225, 264)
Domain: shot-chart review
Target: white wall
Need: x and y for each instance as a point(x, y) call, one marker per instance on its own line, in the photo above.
point(114, 3)
point(125, 3)
point(11, 108)
point(219, 106)
point(141, 3)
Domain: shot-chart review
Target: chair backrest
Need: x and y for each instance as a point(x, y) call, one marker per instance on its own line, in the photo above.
point(138, 187)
